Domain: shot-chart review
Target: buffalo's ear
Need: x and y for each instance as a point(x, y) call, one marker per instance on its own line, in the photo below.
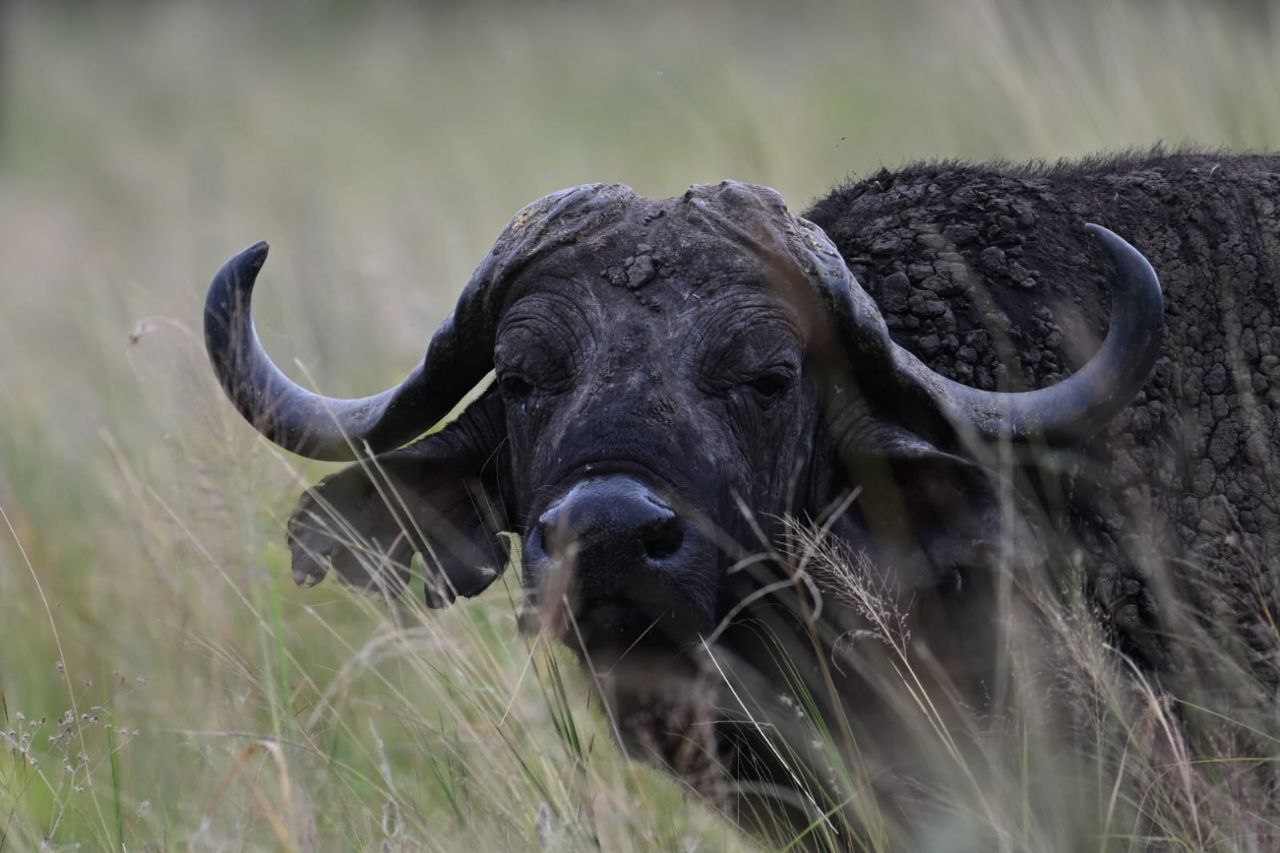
point(938, 517)
point(437, 498)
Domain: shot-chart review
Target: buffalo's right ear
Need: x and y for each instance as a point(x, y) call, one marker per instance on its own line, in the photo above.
point(437, 498)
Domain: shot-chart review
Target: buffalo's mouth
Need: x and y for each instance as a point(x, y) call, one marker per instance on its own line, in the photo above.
point(612, 630)
point(615, 633)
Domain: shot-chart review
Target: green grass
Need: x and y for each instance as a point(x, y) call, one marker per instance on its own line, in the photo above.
point(189, 694)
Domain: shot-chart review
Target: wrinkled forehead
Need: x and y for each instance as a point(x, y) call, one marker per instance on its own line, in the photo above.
point(711, 241)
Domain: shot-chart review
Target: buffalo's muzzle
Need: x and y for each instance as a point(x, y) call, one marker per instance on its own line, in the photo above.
point(624, 560)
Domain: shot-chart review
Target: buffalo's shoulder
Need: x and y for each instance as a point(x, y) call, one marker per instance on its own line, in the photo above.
point(987, 272)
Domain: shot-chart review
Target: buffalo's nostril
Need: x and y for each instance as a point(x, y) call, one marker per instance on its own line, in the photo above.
point(613, 515)
point(662, 537)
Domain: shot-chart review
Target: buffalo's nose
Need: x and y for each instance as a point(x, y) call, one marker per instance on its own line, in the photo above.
point(617, 534)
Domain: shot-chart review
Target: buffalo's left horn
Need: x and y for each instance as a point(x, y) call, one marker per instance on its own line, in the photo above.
point(325, 427)
point(1086, 400)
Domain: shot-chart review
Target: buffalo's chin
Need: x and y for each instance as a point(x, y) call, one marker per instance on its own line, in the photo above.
point(663, 705)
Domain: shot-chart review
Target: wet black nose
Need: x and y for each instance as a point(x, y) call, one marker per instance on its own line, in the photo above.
point(618, 536)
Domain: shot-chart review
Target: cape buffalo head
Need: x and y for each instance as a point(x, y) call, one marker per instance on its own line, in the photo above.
point(672, 378)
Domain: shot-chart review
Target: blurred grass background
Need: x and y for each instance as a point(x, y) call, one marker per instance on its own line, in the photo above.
point(143, 582)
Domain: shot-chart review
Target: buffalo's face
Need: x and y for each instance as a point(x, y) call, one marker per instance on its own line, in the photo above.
point(653, 389)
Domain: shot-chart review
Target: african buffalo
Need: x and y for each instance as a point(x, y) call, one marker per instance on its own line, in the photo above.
point(677, 378)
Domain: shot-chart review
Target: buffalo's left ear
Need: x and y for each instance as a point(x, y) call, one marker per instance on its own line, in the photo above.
point(967, 517)
point(938, 517)
point(437, 498)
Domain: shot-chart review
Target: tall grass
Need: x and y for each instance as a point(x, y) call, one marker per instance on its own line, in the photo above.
point(1073, 747)
point(161, 682)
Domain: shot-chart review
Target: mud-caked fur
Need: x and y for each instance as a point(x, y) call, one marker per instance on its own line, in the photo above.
point(986, 272)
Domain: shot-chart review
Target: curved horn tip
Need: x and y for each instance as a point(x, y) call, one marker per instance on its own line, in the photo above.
point(254, 256)
point(240, 272)
point(1113, 241)
point(1127, 256)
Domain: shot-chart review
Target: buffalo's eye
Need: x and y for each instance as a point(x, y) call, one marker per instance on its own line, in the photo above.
point(514, 386)
point(770, 386)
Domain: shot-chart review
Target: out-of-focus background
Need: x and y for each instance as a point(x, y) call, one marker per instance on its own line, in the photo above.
point(162, 684)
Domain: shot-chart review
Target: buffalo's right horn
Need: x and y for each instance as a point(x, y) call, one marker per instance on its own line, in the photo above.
point(325, 427)
point(458, 358)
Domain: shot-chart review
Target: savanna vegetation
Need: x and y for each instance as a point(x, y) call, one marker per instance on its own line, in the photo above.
point(162, 682)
